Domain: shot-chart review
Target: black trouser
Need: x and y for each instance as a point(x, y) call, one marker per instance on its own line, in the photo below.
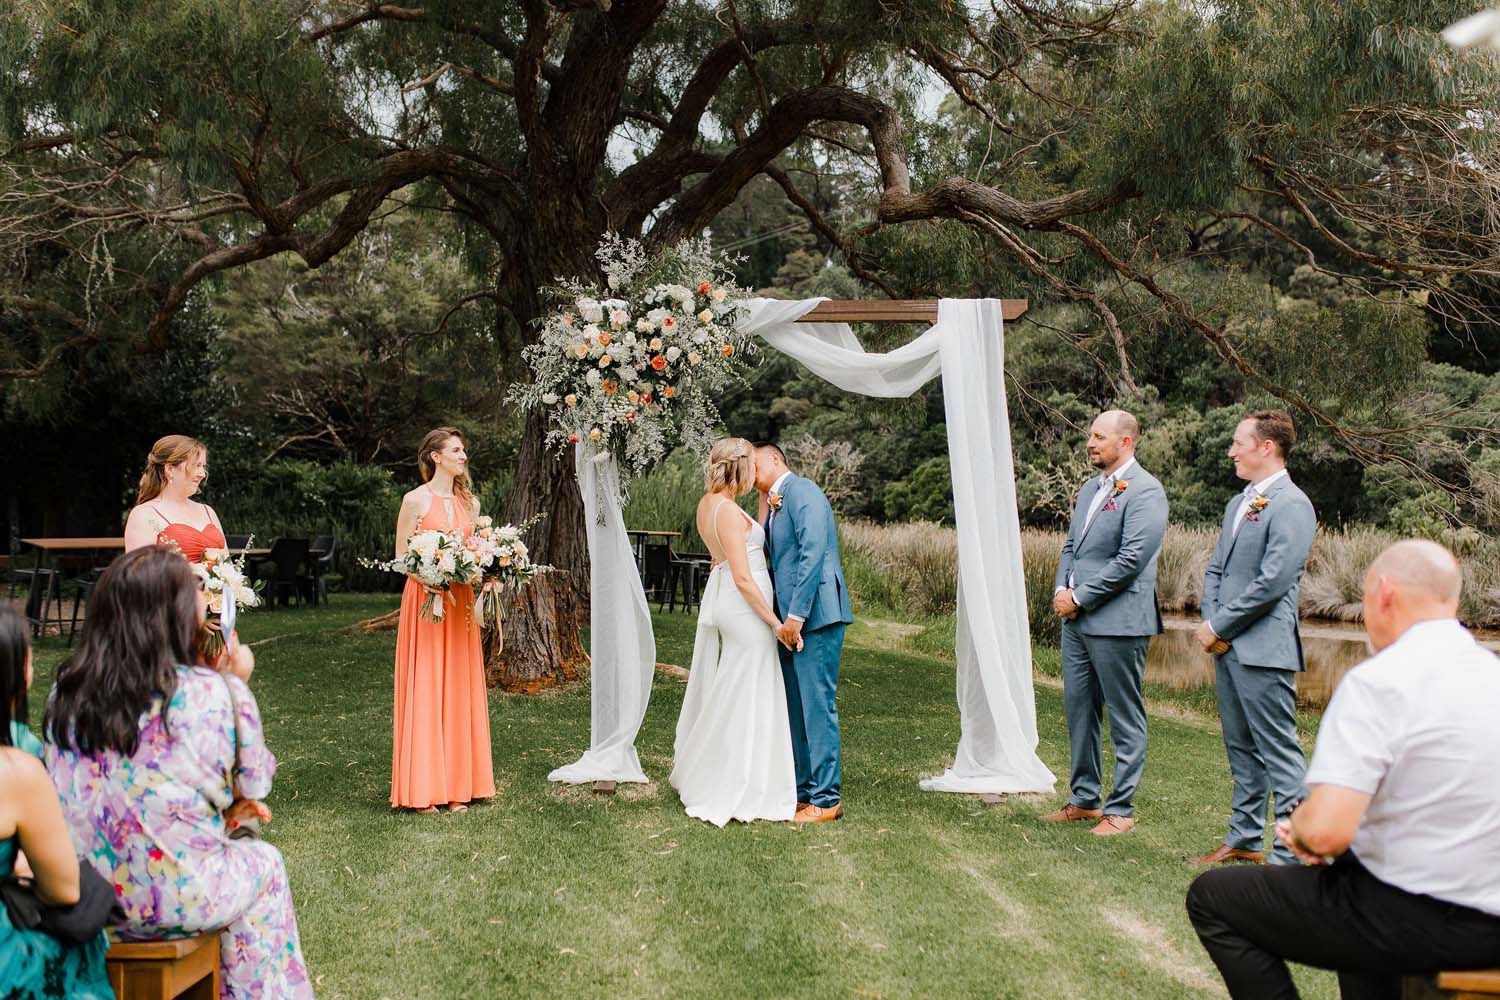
point(1254, 919)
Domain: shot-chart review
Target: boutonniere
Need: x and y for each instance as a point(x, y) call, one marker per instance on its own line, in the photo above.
point(1257, 504)
point(774, 500)
point(1118, 487)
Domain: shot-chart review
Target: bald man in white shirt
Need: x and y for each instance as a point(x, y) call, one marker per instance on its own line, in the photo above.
point(1401, 830)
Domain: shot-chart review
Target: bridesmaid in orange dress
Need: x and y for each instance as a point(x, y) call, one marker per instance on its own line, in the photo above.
point(164, 509)
point(441, 748)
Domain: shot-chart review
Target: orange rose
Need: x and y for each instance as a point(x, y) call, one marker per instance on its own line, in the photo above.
point(704, 288)
point(668, 391)
point(727, 350)
point(668, 323)
point(567, 319)
point(603, 339)
point(659, 363)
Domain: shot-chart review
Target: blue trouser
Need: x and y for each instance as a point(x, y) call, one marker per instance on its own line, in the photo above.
point(1258, 712)
point(1102, 671)
point(812, 680)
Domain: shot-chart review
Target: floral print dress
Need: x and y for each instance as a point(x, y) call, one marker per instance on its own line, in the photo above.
point(153, 825)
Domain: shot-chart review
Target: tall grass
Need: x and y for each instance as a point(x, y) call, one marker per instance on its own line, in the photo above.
point(911, 570)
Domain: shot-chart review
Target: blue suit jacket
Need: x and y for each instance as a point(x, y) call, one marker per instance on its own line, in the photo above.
point(1253, 581)
point(804, 554)
point(1113, 562)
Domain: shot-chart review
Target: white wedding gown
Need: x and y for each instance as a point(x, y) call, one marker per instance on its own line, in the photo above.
point(733, 752)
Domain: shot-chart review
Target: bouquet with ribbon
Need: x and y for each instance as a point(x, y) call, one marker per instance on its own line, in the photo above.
point(438, 560)
point(228, 590)
point(503, 560)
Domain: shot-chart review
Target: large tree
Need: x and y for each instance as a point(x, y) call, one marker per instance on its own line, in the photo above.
point(1086, 147)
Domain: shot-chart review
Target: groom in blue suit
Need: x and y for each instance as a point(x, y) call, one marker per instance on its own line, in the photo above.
point(802, 544)
point(1250, 596)
point(1106, 593)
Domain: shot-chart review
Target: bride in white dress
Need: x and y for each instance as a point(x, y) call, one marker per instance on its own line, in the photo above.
point(733, 753)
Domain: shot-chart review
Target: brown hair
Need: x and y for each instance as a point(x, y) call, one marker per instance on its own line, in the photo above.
point(730, 465)
point(434, 441)
point(174, 449)
point(1274, 425)
point(142, 624)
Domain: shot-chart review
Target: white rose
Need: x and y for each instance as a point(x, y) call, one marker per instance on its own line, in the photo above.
point(673, 353)
point(720, 294)
point(549, 398)
point(694, 357)
point(618, 318)
point(644, 325)
point(485, 521)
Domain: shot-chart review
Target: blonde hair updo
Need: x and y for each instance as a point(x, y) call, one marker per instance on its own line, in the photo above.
point(730, 466)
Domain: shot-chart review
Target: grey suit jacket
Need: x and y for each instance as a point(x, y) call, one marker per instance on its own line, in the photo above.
point(1113, 561)
point(1253, 581)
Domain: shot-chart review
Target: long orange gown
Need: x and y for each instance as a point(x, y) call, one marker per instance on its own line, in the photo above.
point(441, 749)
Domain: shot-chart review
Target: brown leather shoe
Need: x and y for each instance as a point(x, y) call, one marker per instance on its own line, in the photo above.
point(818, 814)
point(1111, 825)
point(1224, 853)
point(1072, 814)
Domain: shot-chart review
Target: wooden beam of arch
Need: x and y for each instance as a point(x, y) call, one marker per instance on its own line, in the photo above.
point(895, 311)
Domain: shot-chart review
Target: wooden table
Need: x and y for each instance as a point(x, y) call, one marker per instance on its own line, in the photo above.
point(47, 551)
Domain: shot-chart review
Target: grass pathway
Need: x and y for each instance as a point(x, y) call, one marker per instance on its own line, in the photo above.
point(550, 891)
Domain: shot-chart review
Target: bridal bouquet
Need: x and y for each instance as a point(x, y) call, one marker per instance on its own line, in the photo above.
point(634, 367)
point(503, 561)
point(228, 591)
point(438, 560)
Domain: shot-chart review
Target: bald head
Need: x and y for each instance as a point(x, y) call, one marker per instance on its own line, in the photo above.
point(1124, 423)
point(1410, 582)
point(1112, 439)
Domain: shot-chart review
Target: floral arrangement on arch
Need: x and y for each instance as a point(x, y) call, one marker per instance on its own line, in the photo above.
point(634, 367)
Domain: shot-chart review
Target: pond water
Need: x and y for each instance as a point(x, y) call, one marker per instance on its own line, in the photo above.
point(1176, 660)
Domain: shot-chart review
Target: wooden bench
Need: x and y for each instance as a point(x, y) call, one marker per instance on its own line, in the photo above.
point(1472, 985)
point(165, 970)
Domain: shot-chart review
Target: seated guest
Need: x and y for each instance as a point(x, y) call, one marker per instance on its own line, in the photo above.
point(1399, 831)
point(33, 964)
point(157, 761)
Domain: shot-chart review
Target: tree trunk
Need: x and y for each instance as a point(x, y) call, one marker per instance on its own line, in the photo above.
point(537, 654)
point(541, 646)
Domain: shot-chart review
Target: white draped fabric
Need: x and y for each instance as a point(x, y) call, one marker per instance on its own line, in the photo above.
point(622, 646)
point(997, 711)
point(997, 708)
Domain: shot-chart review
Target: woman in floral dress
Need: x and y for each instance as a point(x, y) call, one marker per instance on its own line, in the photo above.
point(157, 761)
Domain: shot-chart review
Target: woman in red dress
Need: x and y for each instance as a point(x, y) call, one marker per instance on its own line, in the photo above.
point(164, 511)
point(440, 753)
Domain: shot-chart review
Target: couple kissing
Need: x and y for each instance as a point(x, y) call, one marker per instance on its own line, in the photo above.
point(758, 737)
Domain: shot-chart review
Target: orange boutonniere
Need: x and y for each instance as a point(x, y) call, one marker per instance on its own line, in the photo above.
point(1121, 485)
point(774, 500)
point(1258, 503)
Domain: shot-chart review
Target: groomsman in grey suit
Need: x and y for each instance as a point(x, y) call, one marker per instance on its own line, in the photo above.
point(1250, 593)
point(1106, 593)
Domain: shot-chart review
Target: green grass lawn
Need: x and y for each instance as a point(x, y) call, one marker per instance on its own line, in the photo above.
point(550, 891)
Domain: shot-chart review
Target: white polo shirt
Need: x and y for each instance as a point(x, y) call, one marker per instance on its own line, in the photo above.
point(1418, 727)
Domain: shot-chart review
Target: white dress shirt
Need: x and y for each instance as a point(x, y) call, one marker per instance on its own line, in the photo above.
point(1416, 727)
point(771, 517)
point(1106, 487)
point(1250, 493)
